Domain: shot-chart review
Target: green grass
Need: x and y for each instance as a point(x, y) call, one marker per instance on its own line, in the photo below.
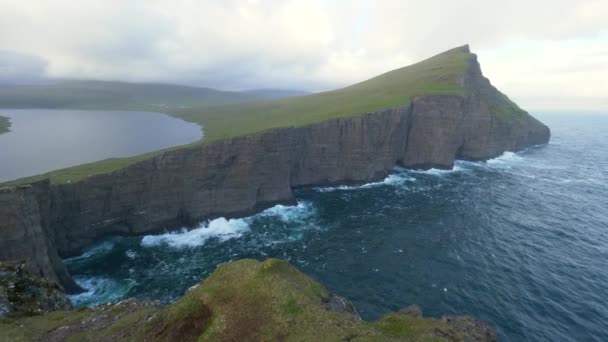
point(242, 300)
point(441, 74)
point(437, 75)
point(5, 124)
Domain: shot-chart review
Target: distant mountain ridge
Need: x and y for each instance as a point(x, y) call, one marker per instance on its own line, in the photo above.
point(270, 93)
point(93, 94)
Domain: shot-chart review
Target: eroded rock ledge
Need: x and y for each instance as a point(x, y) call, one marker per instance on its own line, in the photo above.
point(245, 300)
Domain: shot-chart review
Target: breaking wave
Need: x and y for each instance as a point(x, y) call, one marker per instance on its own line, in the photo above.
point(220, 228)
point(98, 249)
point(302, 211)
point(399, 176)
point(100, 290)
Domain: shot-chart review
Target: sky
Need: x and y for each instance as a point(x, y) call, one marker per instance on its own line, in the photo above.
point(546, 55)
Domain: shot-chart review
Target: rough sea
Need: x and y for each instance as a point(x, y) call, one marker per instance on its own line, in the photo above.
point(520, 241)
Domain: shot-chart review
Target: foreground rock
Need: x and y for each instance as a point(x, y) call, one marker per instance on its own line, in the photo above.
point(246, 300)
point(21, 293)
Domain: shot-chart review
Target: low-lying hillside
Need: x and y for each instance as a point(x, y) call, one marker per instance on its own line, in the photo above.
point(245, 300)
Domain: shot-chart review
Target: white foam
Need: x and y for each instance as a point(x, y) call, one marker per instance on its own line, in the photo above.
point(394, 178)
point(505, 158)
point(440, 172)
point(302, 210)
point(220, 228)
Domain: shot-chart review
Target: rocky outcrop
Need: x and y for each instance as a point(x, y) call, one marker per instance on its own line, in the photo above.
point(243, 175)
point(245, 300)
point(22, 293)
point(25, 232)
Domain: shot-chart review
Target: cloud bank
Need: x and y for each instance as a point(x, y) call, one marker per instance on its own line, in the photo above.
point(544, 54)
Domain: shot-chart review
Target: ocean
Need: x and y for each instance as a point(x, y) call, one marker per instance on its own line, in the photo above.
point(520, 241)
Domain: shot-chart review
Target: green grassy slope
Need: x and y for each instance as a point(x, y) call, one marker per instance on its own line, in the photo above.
point(115, 95)
point(437, 75)
point(245, 300)
point(441, 74)
point(5, 124)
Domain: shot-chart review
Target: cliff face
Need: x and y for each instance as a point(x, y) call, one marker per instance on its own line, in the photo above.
point(245, 174)
point(25, 233)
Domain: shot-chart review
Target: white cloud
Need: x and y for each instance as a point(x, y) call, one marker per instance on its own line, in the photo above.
point(532, 50)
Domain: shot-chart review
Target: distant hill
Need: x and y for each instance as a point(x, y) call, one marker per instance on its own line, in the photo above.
point(123, 95)
point(276, 93)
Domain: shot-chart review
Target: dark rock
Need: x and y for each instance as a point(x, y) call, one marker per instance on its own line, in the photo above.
point(412, 310)
point(22, 293)
point(341, 305)
point(466, 329)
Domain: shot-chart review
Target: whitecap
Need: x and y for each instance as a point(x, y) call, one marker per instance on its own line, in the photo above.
point(220, 228)
point(303, 210)
point(440, 172)
point(505, 159)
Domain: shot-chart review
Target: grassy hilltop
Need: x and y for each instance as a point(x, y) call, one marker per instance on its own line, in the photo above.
point(441, 74)
point(5, 124)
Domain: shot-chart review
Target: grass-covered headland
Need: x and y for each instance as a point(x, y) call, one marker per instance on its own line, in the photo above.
point(441, 74)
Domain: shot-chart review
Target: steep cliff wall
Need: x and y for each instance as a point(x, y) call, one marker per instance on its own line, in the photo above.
point(25, 233)
point(245, 174)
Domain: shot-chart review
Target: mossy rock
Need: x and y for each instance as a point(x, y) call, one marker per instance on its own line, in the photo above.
point(22, 293)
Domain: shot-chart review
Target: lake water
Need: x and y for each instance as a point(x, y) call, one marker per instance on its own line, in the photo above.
point(520, 241)
point(42, 140)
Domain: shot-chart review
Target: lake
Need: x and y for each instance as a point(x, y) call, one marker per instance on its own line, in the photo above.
point(43, 140)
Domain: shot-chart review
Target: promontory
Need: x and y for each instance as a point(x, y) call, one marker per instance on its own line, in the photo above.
point(252, 156)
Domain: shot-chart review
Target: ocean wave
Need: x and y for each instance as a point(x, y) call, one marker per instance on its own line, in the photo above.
point(398, 177)
point(223, 230)
point(220, 228)
point(506, 158)
point(439, 172)
point(302, 211)
point(97, 249)
point(505, 161)
point(100, 290)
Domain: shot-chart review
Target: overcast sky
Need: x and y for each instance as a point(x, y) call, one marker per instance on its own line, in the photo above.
point(547, 55)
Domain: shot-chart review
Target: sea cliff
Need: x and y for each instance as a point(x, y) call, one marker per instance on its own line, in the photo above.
point(232, 177)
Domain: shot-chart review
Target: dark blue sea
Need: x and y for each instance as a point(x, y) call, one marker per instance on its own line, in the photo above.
point(520, 241)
